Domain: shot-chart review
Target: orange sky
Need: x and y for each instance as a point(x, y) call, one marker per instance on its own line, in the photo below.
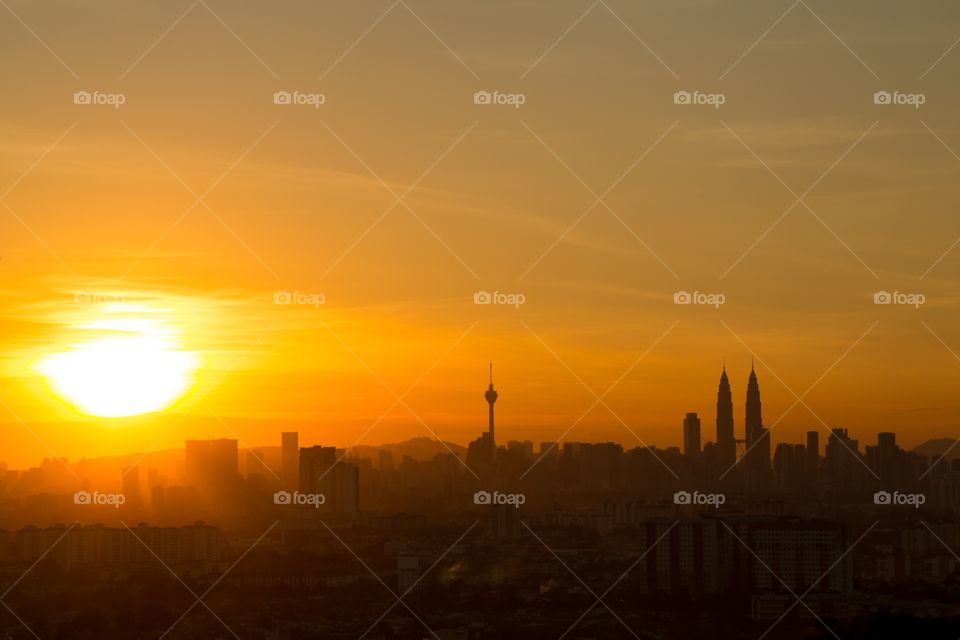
point(199, 198)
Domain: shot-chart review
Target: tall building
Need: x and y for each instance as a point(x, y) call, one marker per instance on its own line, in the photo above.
point(813, 454)
point(482, 452)
point(726, 443)
point(842, 455)
point(758, 438)
point(502, 522)
point(131, 484)
point(338, 481)
point(549, 455)
point(682, 556)
point(887, 440)
point(314, 462)
point(597, 464)
point(753, 421)
point(691, 436)
point(491, 396)
point(523, 449)
point(806, 555)
point(211, 465)
point(886, 457)
point(789, 461)
point(197, 546)
point(385, 458)
point(289, 459)
point(344, 498)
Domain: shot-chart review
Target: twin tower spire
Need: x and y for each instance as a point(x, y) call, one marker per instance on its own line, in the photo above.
point(757, 439)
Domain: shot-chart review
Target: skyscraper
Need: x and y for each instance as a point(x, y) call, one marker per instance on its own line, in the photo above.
point(314, 462)
point(691, 436)
point(887, 440)
point(726, 443)
point(491, 396)
point(482, 452)
point(211, 465)
point(131, 484)
point(758, 439)
point(290, 459)
point(339, 482)
point(813, 453)
point(885, 457)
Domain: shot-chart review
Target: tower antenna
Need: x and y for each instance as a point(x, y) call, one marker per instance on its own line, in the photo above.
point(491, 396)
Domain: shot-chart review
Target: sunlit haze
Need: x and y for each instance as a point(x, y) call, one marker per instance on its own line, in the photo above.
point(396, 197)
point(540, 319)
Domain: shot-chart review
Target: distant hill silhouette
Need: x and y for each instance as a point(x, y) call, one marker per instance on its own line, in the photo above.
point(936, 448)
point(420, 448)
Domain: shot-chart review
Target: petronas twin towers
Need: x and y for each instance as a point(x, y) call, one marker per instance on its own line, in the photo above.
point(757, 452)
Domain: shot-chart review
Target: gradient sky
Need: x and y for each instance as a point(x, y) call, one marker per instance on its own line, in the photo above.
point(96, 199)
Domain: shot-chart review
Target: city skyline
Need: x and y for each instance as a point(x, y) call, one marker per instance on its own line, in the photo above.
point(843, 528)
point(755, 443)
point(403, 228)
point(407, 319)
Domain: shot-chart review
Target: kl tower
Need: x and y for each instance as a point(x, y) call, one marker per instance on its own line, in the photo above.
point(491, 395)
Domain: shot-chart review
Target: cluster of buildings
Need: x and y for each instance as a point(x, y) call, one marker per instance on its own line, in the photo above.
point(192, 548)
point(789, 521)
point(747, 463)
point(214, 480)
point(737, 465)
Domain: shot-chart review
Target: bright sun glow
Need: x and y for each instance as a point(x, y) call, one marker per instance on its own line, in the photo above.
point(134, 366)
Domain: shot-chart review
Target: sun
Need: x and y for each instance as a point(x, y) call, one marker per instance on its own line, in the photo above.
point(134, 365)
